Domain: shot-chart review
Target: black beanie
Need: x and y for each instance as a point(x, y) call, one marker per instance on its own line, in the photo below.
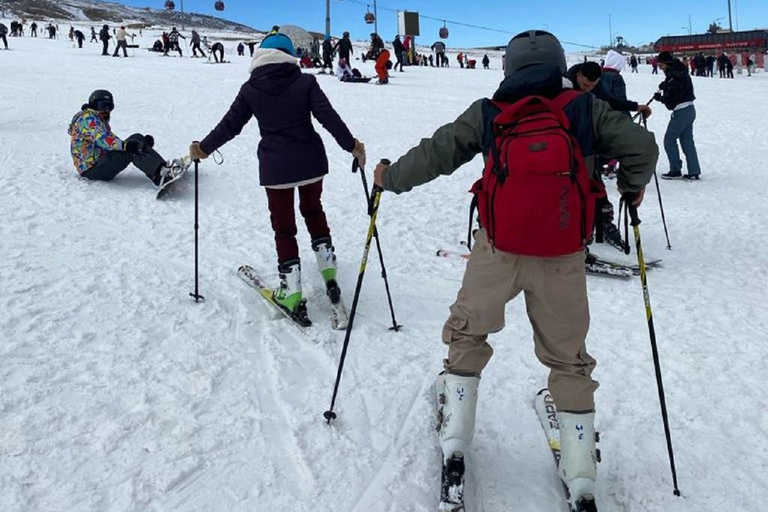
point(665, 58)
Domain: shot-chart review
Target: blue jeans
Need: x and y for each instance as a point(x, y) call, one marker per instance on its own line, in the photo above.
point(681, 127)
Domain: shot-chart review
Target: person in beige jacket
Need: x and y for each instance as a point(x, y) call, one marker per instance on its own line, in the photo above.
point(554, 287)
point(121, 41)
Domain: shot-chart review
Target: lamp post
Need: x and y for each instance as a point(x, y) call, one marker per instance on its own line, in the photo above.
point(328, 18)
point(182, 14)
point(730, 19)
point(375, 18)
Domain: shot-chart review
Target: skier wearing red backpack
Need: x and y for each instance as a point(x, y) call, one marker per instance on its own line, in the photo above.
point(536, 203)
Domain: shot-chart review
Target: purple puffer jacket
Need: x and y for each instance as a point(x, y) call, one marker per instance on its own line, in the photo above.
point(283, 99)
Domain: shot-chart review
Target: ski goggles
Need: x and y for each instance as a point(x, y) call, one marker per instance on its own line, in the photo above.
point(103, 105)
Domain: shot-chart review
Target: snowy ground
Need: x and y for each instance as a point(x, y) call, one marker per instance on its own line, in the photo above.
point(119, 393)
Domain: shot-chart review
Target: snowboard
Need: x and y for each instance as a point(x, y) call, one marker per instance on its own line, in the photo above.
point(166, 185)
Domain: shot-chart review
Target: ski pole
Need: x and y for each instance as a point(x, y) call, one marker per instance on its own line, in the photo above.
point(196, 295)
point(631, 213)
point(395, 327)
point(329, 415)
point(638, 114)
point(661, 204)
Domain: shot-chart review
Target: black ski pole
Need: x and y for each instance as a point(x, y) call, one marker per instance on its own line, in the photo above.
point(631, 213)
point(329, 415)
point(639, 113)
point(661, 204)
point(395, 327)
point(196, 295)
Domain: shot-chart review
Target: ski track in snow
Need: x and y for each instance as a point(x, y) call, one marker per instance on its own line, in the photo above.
point(119, 393)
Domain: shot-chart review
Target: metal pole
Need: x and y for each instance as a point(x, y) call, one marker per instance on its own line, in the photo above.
point(375, 18)
point(182, 14)
point(730, 19)
point(610, 32)
point(689, 25)
point(328, 18)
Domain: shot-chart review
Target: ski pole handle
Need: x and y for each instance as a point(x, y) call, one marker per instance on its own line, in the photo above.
point(632, 209)
point(355, 165)
point(376, 192)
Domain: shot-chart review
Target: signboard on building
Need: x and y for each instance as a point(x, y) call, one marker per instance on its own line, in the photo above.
point(408, 23)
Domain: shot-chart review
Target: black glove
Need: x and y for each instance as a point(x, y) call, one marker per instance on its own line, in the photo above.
point(149, 141)
point(134, 147)
point(657, 97)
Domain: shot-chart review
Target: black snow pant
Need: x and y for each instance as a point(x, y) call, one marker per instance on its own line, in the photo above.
point(114, 162)
point(5, 41)
point(124, 46)
point(328, 61)
point(80, 43)
point(399, 57)
point(173, 47)
point(218, 51)
point(34, 32)
point(196, 48)
point(105, 49)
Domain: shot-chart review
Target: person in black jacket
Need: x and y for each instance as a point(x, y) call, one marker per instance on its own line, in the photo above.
point(586, 76)
point(676, 93)
point(327, 54)
point(397, 44)
point(105, 37)
point(344, 47)
point(79, 37)
point(291, 156)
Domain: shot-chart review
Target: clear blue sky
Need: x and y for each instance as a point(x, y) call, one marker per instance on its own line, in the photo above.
point(584, 21)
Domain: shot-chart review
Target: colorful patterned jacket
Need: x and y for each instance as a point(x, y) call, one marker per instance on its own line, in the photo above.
point(91, 138)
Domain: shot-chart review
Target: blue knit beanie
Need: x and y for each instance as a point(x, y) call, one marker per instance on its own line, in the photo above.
point(279, 42)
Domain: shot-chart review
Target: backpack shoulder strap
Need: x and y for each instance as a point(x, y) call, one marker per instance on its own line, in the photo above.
point(565, 97)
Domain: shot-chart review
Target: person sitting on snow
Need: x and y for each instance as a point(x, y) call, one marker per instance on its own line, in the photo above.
point(345, 73)
point(99, 154)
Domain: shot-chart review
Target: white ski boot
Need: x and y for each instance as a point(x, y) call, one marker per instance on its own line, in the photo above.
point(457, 403)
point(288, 295)
point(326, 264)
point(578, 459)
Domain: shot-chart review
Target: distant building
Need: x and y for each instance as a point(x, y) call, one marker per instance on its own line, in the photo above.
point(750, 43)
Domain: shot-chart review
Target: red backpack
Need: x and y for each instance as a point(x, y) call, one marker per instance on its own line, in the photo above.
point(536, 197)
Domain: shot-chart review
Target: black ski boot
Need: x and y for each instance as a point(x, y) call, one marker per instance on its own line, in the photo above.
point(612, 236)
point(452, 490)
point(585, 504)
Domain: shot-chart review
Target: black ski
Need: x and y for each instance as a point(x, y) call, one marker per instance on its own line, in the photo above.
point(633, 268)
point(594, 266)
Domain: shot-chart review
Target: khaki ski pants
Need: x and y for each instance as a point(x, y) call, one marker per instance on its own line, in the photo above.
point(556, 302)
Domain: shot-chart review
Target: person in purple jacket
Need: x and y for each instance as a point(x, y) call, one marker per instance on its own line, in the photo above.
point(291, 156)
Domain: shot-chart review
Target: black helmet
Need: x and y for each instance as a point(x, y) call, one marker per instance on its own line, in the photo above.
point(101, 100)
point(346, 34)
point(534, 47)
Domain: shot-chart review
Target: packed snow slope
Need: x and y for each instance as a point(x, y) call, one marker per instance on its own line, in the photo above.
point(119, 393)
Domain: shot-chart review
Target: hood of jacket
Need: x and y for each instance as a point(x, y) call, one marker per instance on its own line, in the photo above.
point(615, 60)
point(540, 80)
point(272, 71)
